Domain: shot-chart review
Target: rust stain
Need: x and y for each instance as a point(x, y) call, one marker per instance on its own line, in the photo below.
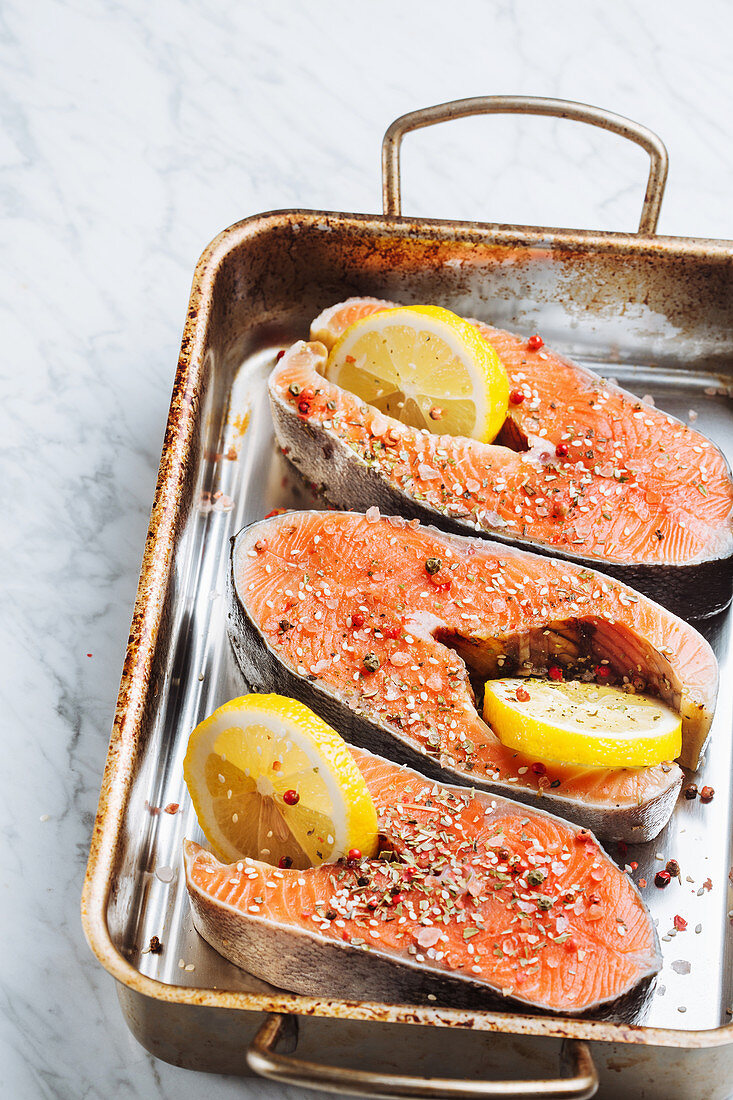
point(237, 425)
point(240, 422)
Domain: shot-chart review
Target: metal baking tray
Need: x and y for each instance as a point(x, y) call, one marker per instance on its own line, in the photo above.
point(654, 312)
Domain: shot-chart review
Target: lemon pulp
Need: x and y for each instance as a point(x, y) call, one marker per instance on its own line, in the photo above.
point(426, 367)
point(582, 723)
point(272, 781)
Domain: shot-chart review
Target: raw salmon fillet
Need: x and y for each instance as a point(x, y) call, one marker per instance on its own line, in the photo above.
point(482, 898)
point(315, 593)
point(637, 493)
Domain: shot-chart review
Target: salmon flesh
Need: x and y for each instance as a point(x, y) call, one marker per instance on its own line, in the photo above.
point(581, 469)
point(473, 899)
point(379, 624)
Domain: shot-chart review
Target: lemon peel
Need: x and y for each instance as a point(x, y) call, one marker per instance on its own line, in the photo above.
point(426, 367)
point(582, 723)
point(272, 781)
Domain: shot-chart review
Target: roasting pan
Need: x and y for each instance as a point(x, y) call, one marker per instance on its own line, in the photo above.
point(654, 312)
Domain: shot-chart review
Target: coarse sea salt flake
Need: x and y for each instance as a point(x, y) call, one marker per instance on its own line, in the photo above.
point(428, 473)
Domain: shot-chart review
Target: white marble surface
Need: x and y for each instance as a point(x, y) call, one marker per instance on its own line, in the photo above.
point(132, 133)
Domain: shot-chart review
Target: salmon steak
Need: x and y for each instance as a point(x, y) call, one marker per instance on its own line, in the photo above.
point(472, 899)
point(581, 468)
point(379, 624)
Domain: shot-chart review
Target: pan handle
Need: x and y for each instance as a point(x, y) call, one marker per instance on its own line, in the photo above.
point(264, 1059)
point(526, 105)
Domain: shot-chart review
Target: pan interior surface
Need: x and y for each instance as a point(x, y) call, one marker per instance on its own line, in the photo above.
point(636, 326)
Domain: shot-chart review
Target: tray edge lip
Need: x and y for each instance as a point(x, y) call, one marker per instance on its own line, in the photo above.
point(488, 233)
point(146, 619)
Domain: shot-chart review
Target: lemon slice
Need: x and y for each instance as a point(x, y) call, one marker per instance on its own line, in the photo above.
point(425, 366)
point(577, 723)
point(270, 780)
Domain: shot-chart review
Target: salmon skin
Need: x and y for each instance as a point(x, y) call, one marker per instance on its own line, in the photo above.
point(581, 469)
point(348, 614)
point(480, 899)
